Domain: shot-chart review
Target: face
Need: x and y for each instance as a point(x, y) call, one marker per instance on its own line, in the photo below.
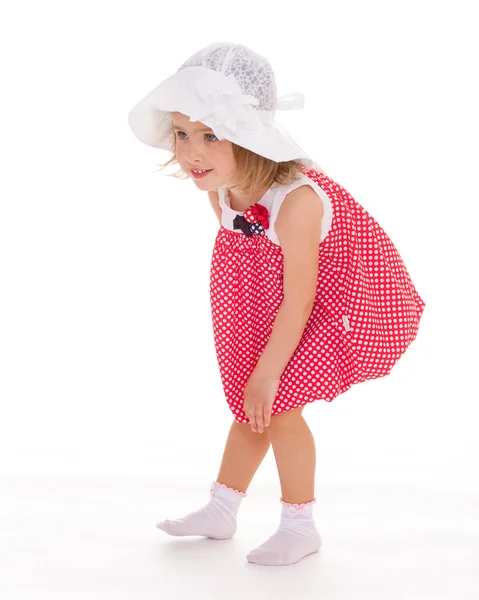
point(198, 148)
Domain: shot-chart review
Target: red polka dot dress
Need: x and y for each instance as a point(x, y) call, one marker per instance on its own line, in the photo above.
point(366, 311)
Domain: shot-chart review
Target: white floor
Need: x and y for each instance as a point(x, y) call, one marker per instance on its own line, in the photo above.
point(95, 538)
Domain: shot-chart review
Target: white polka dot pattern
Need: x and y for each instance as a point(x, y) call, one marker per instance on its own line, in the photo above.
point(365, 315)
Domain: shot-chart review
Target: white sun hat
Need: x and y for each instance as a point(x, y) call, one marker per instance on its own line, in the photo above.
point(230, 89)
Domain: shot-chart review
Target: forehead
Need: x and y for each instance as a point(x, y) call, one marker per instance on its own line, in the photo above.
point(183, 121)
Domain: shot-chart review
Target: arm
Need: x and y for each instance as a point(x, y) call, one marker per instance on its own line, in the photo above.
point(215, 203)
point(287, 331)
point(298, 227)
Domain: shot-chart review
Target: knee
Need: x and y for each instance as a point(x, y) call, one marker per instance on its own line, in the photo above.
point(281, 422)
point(244, 429)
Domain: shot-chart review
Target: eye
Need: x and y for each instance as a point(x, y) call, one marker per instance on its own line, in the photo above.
point(181, 138)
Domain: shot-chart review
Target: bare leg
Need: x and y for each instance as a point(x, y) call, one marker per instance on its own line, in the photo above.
point(243, 454)
point(295, 454)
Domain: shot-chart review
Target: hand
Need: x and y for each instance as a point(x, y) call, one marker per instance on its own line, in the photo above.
point(259, 395)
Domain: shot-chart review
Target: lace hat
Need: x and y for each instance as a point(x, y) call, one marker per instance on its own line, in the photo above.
point(230, 89)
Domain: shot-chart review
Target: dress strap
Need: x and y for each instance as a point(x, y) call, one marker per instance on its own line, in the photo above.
point(221, 196)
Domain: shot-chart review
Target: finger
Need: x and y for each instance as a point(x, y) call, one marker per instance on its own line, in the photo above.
point(259, 421)
point(267, 418)
point(252, 422)
point(249, 415)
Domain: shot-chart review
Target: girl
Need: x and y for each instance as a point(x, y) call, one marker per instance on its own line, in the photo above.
point(308, 293)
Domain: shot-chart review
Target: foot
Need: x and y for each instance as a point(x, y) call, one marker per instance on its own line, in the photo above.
point(216, 520)
point(296, 537)
point(285, 548)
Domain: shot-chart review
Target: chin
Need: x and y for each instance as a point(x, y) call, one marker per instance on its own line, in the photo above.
point(207, 186)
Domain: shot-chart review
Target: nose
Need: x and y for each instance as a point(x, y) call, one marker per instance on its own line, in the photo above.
point(194, 153)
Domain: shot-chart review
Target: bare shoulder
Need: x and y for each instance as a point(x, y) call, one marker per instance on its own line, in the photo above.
point(302, 203)
point(306, 193)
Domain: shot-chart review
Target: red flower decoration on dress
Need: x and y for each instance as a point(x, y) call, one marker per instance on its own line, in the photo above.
point(257, 212)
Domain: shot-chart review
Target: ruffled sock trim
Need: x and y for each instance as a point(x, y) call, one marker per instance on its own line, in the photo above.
point(313, 501)
point(217, 484)
point(298, 509)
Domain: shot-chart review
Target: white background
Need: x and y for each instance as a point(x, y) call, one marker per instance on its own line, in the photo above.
point(107, 360)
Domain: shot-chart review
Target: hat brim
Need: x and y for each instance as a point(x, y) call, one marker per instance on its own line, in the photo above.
point(150, 120)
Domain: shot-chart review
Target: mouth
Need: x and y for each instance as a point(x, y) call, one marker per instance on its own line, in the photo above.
point(201, 175)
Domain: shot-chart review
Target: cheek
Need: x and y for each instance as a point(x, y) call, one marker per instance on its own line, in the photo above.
point(227, 161)
point(180, 154)
point(229, 167)
point(224, 161)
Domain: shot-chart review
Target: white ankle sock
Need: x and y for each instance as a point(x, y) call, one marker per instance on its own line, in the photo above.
point(295, 538)
point(216, 520)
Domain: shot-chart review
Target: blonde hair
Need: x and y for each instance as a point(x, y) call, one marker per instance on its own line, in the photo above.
point(255, 173)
